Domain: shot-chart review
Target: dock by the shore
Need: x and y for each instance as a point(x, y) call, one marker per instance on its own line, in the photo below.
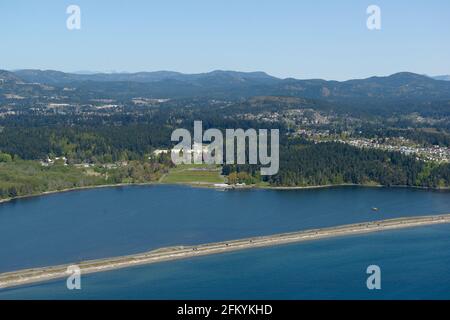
point(22, 277)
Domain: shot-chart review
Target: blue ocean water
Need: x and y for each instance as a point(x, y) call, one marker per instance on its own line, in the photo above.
point(75, 226)
point(415, 264)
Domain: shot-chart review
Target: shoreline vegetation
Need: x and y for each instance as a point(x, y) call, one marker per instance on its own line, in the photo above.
point(198, 176)
point(36, 275)
point(212, 186)
point(22, 178)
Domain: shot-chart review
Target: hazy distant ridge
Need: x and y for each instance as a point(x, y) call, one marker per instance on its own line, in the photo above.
point(403, 86)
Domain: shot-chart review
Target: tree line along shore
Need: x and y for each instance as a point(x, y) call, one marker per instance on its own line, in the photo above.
point(23, 178)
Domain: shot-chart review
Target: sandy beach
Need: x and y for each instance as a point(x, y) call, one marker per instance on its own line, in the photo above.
point(22, 277)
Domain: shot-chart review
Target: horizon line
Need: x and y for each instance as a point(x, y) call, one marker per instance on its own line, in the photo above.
point(114, 72)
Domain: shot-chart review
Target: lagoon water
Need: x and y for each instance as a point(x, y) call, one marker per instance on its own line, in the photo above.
point(415, 264)
point(97, 223)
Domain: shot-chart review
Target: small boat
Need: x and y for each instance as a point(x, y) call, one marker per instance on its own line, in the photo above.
point(375, 209)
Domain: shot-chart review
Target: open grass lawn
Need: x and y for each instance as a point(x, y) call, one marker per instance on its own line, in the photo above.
point(194, 173)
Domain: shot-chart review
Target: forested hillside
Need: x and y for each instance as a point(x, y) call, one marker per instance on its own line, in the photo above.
point(392, 131)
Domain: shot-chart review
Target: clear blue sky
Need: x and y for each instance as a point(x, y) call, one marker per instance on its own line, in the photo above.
point(291, 38)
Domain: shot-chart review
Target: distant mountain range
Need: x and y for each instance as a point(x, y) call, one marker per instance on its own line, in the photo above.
point(8, 76)
point(444, 78)
point(218, 76)
point(223, 83)
point(400, 91)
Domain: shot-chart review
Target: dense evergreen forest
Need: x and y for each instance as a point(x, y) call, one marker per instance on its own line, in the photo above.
point(304, 163)
point(85, 144)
